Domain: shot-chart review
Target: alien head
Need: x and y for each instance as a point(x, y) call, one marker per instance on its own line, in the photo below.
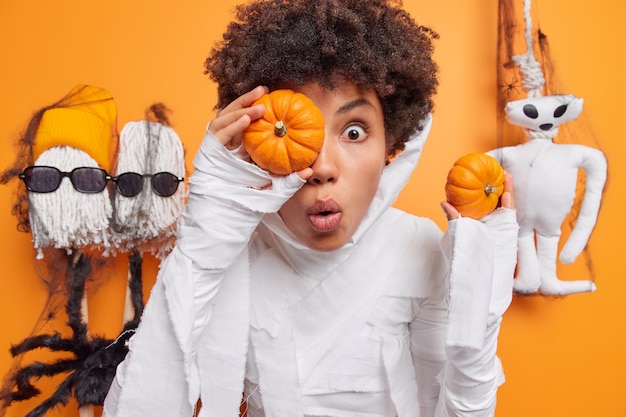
point(543, 113)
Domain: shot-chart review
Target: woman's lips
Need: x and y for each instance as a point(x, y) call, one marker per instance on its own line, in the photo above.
point(324, 216)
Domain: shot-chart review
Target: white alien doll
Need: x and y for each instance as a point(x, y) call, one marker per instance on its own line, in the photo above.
point(545, 175)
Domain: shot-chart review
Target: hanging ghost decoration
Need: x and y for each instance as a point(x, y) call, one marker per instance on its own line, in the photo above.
point(545, 176)
point(557, 182)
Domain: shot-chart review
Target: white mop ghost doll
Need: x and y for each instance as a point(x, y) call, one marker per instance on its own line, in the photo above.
point(149, 195)
point(545, 175)
point(69, 202)
point(69, 210)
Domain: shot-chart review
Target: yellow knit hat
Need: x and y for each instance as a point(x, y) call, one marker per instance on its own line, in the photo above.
point(85, 119)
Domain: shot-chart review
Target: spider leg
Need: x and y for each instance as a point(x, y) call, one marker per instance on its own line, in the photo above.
point(54, 342)
point(25, 389)
point(60, 396)
point(136, 284)
point(79, 269)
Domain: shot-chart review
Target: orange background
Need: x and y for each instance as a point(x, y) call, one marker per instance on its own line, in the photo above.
point(562, 357)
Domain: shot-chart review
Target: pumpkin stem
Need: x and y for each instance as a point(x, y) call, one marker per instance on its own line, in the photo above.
point(490, 189)
point(280, 129)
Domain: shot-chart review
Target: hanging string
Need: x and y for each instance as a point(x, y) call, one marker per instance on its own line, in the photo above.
point(533, 79)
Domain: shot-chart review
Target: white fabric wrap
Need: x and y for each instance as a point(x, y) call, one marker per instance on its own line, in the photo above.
point(477, 302)
point(489, 246)
point(226, 203)
point(201, 297)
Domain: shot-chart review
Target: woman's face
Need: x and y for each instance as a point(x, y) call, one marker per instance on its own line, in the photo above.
point(328, 209)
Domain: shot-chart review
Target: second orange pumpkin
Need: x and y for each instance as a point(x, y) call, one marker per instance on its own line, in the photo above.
point(474, 184)
point(290, 134)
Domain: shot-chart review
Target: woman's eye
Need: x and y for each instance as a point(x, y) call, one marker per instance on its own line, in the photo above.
point(354, 133)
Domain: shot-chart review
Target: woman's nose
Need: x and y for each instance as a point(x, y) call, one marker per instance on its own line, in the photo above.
point(325, 167)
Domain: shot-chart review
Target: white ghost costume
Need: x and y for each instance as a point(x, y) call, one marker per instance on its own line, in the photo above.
point(401, 321)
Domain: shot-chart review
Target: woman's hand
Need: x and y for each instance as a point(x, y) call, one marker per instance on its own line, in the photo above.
point(507, 200)
point(232, 120)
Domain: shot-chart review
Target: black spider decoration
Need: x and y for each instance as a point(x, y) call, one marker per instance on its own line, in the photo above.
point(94, 360)
point(510, 88)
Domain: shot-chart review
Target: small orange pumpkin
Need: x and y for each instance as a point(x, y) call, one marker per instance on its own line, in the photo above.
point(290, 134)
point(474, 185)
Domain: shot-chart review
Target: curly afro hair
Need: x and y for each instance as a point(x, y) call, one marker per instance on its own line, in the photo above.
point(373, 43)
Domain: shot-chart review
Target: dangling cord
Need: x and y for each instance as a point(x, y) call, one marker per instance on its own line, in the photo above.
point(533, 79)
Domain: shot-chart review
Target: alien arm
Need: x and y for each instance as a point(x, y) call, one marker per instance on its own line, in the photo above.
point(594, 163)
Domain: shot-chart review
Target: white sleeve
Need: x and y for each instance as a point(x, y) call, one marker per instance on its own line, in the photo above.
point(228, 197)
point(483, 257)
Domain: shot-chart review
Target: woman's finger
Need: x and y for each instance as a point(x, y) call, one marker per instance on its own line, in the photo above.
point(508, 196)
point(305, 173)
point(449, 210)
point(246, 99)
point(232, 120)
point(225, 118)
point(230, 135)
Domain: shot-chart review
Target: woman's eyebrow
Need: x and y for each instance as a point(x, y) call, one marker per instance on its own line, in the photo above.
point(354, 104)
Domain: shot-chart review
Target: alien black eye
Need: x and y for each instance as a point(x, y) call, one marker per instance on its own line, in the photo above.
point(531, 111)
point(560, 111)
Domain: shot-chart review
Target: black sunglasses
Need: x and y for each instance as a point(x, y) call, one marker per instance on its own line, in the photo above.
point(46, 179)
point(130, 184)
